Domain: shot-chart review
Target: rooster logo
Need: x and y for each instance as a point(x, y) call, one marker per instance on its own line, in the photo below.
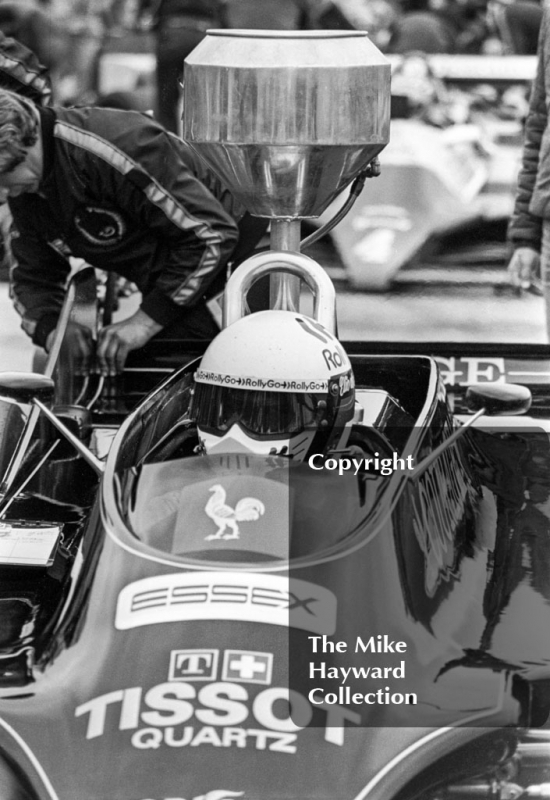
point(249, 509)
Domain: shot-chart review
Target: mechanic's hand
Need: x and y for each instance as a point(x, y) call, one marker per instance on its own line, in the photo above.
point(524, 267)
point(117, 340)
point(78, 347)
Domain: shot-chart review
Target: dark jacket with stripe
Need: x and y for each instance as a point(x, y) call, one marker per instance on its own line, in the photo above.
point(532, 203)
point(123, 194)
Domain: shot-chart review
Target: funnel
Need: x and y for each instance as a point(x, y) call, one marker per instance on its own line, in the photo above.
point(286, 119)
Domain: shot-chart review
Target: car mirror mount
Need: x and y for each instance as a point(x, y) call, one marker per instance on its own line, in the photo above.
point(484, 399)
point(30, 387)
point(24, 387)
point(499, 399)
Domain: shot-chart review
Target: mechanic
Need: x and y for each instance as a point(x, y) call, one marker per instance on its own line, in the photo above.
point(43, 32)
point(529, 227)
point(178, 27)
point(117, 190)
point(21, 72)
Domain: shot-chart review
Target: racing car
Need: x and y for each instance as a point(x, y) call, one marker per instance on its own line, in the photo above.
point(148, 652)
point(439, 210)
point(190, 611)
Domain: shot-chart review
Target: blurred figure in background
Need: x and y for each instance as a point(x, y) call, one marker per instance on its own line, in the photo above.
point(289, 15)
point(85, 24)
point(486, 27)
point(518, 23)
point(296, 15)
point(441, 26)
point(22, 72)
point(377, 17)
point(529, 228)
point(34, 26)
point(179, 26)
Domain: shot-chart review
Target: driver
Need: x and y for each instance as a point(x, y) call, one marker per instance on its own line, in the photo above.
point(274, 383)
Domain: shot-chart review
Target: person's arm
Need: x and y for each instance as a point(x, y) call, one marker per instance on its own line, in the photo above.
point(197, 235)
point(120, 338)
point(38, 285)
point(38, 280)
point(162, 195)
point(525, 228)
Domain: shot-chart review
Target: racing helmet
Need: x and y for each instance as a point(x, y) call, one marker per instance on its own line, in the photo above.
point(274, 382)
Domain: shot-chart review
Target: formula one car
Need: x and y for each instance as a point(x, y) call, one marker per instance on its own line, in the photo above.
point(448, 177)
point(173, 634)
point(330, 584)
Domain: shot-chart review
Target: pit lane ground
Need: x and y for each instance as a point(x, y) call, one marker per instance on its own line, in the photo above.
point(415, 313)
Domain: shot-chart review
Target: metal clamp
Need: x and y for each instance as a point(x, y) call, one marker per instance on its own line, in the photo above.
point(287, 290)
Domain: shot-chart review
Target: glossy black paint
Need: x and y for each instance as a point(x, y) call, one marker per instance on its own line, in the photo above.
point(454, 564)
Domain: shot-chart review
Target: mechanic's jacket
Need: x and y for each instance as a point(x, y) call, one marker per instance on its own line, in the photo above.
point(124, 195)
point(532, 203)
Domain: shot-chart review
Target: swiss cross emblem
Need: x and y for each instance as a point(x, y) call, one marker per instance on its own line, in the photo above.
point(247, 666)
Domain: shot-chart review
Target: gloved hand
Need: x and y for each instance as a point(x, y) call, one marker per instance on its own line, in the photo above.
point(117, 340)
point(78, 347)
point(524, 269)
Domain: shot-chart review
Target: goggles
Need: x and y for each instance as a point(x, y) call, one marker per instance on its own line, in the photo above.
point(216, 409)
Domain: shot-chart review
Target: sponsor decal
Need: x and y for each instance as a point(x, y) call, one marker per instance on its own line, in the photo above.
point(269, 599)
point(467, 370)
point(333, 359)
point(239, 666)
point(346, 383)
point(269, 384)
point(315, 329)
point(247, 666)
point(193, 665)
point(100, 226)
point(249, 509)
point(180, 715)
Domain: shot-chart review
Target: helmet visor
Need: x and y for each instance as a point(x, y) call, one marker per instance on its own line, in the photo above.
point(262, 414)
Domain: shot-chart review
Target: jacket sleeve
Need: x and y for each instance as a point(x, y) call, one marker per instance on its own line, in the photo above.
point(525, 228)
point(196, 236)
point(38, 281)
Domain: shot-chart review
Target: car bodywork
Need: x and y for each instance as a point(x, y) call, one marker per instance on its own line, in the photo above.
point(447, 183)
point(178, 624)
point(150, 655)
